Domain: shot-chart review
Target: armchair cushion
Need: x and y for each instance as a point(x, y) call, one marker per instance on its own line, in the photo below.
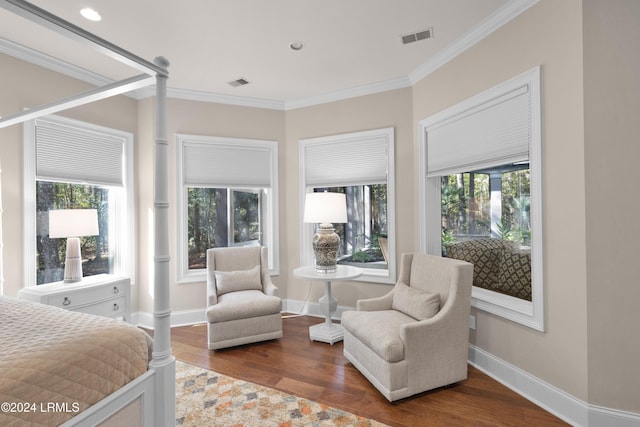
point(414, 302)
point(239, 280)
point(378, 330)
point(242, 305)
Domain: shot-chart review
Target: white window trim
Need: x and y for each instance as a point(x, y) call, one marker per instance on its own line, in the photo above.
point(528, 313)
point(125, 258)
point(270, 230)
point(306, 230)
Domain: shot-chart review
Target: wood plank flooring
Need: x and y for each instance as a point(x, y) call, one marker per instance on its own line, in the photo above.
point(320, 372)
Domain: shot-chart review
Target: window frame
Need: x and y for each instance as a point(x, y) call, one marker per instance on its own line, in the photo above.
point(527, 313)
point(268, 205)
point(307, 230)
point(124, 259)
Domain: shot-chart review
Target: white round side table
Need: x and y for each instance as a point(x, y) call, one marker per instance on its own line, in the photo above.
point(327, 331)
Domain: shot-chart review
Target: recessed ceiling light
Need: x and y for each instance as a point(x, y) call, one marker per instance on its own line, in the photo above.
point(90, 14)
point(297, 45)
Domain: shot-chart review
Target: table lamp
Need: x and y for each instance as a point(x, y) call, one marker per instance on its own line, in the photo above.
point(73, 224)
point(325, 209)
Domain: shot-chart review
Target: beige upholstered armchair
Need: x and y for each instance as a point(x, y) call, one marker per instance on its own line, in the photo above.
point(242, 302)
point(415, 338)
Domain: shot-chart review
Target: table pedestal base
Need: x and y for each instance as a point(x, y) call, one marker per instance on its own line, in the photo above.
point(326, 333)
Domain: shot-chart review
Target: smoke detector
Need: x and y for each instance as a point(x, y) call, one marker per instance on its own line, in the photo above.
point(420, 35)
point(238, 82)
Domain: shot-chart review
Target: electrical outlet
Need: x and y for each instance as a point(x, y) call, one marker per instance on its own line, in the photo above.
point(472, 322)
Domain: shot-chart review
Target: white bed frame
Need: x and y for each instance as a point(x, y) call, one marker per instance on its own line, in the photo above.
point(154, 391)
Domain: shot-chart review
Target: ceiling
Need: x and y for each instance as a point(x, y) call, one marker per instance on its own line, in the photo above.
point(351, 47)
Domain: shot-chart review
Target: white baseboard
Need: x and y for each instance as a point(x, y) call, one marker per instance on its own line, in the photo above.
point(600, 416)
point(178, 318)
point(311, 308)
point(193, 317)
point(563, 405)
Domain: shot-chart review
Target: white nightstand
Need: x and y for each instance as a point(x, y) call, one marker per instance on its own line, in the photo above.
point(102, 294)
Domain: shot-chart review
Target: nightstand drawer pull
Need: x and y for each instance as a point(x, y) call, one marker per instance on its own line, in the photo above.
point(116, 290)
point(116, 307)
point(66, 301)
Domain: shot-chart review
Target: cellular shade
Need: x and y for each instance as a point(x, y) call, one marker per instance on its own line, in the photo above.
point(66, 153)
point(362, 160)
point(493, 133)
point(226, 165)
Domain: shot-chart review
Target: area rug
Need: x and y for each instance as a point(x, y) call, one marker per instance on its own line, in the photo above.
point(207, 398)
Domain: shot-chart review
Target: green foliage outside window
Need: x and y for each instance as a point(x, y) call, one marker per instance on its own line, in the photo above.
point(51, 252)
point(211, 223)
point(466, 201)
point(366, 223)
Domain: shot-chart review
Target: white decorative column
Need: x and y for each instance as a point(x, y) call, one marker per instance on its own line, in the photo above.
point(163, 362)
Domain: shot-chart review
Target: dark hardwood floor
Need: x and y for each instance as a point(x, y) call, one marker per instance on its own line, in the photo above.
point(320, 372)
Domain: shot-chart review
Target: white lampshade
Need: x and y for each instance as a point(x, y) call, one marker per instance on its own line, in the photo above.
point(73, 223)
point(325, 208)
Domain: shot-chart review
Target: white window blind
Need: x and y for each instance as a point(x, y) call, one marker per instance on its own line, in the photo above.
point(67, 153)
point(362, 158)
point(211, 163)
point(491, 133)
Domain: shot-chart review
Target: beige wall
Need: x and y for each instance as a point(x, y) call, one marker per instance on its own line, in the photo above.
point(612, 152)
point(557, 356)
point(590, 348)
point(25, 85)
point(388, 109)
point(194, 118)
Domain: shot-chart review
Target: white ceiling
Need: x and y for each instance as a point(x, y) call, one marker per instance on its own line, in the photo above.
point(350, 46)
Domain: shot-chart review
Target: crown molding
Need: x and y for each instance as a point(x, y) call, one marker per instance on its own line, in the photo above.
point(397, 83)
point(244, 101)
point(496, 20)
point(54, 64)
point(49, 62)
point(505, 14)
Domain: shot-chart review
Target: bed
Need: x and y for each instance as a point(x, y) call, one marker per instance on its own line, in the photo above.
point(50, 374)
point(141, 396)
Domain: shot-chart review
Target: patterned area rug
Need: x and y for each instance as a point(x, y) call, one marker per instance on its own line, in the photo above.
point(206, 398)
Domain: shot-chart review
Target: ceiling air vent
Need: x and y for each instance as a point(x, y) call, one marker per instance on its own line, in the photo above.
point(420, 35)
point(239, 82)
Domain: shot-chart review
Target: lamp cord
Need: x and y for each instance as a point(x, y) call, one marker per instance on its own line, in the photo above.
point(304, 304)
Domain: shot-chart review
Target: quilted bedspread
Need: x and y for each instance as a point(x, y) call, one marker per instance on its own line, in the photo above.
point(56, 363)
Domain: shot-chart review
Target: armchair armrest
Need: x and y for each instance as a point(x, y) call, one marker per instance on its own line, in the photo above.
point(445, 338)
point(212, 296)
point(268, 286)
point(375, 304)
point(449, 325)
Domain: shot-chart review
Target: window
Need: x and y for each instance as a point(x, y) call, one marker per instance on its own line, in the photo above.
point(486, 221)
point(492, 203)
point(227, 194)
point(74, 165)
point(221, 217)
point(481, 195)
point(360, 165)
